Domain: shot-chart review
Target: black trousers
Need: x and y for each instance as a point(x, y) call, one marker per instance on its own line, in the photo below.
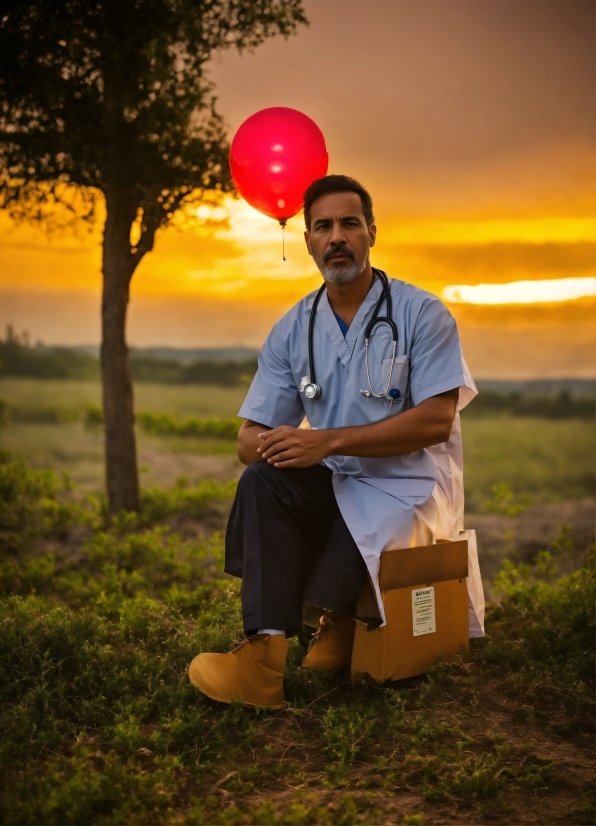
point(287, 540)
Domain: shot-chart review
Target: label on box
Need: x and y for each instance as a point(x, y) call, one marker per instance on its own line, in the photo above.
point(423, 611)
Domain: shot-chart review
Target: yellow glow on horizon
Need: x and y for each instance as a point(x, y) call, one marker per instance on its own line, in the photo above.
point(521, 292)
point(478, 232)
point(233, 253)
point(248, 225)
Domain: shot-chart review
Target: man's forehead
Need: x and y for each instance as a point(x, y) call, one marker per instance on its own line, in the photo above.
point(336, 204)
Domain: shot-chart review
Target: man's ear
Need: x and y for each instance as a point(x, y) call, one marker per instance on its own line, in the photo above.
point(307, 240)
point(372, 232)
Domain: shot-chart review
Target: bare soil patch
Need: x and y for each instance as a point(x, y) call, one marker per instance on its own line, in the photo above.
point(385, 783)
point(533, 530)
point(163, 469)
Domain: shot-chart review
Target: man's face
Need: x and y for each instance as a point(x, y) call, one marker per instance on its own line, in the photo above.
point(338, 238)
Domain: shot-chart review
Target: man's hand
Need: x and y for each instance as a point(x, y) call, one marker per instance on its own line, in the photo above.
point(285, 447)
point(429, 423)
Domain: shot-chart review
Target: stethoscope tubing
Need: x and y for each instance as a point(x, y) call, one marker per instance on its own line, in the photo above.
point(311, 328)
point(370, 329)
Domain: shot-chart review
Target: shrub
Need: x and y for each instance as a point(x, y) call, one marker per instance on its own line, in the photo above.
point(33, 503)
point(544, 625)
point(160, 424)
point(100, 725)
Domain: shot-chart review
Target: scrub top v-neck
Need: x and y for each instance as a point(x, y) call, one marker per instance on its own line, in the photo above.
point(342, 324)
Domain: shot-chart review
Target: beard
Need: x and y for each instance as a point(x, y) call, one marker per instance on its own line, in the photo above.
point(341, 273)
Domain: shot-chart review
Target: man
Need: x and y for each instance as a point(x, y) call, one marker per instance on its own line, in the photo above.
point(381, 466)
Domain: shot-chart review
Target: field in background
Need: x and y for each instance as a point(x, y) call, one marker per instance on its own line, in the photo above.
point(99, 623)
point(545, 460)
point(73, 397)
point(100, 724)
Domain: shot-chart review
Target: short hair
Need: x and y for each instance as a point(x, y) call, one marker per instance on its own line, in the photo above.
point(337, 183)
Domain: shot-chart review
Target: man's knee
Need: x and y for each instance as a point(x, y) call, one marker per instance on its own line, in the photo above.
point(263, 476)
point(259, 476)
point(258, 471)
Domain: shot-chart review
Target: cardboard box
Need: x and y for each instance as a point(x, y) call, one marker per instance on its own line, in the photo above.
point(425, 598)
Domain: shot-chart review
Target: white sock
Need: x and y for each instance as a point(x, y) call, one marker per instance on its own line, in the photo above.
point(270, 631)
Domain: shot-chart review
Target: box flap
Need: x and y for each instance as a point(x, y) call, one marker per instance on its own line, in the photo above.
point(404, 567)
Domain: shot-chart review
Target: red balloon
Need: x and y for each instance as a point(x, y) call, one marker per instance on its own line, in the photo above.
point(275, 155)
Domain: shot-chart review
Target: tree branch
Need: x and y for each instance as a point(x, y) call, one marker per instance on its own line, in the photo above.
point(145, 244)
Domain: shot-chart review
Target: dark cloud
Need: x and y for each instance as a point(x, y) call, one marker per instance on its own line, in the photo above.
point(498, 262)
point(433, 83)
point(526, 342)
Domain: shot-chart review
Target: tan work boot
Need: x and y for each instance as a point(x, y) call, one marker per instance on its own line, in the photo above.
point(253, 672)
point(332, 644)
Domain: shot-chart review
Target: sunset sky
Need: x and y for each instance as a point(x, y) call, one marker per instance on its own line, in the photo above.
point(472, 124)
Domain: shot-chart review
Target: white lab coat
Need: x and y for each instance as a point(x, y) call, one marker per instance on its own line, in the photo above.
point(396, 501)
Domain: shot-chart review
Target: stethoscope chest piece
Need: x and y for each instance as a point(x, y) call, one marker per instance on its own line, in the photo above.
point(309, 388)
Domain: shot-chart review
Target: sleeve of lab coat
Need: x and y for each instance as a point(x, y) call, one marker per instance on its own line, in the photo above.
point(437, 363)
point(273, 398)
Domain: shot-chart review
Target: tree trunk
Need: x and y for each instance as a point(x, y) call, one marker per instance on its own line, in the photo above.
point(122, 479)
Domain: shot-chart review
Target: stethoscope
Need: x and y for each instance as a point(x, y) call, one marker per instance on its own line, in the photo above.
point(308, 384)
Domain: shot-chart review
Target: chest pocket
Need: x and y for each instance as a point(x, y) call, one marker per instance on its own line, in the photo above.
point(399, 376)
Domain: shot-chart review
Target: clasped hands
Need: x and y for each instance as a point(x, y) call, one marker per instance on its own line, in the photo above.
point(286, 447)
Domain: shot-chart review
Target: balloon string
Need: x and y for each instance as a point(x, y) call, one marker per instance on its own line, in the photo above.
point(283, 239)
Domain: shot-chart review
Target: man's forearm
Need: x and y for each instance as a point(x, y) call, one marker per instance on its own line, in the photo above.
point(429, 423)
point(249, 441)
point(411, 430)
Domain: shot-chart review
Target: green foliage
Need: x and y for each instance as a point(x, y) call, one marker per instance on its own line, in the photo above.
point(561, 405)
point(546, 620)
point(223, 373)
point(98, 625)
point(543, 460)
point(19, 358)
point(33, 503)
point(42, 415)
point(343, 732)
point(175, 400)
point(93, 417)
point(159, 503)
point(40, 504)
point(163, 425)
point(156, 424)
point(505, 502)
point(78, 79)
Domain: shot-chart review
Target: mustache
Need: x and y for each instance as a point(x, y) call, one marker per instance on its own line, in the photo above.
point(340, 248)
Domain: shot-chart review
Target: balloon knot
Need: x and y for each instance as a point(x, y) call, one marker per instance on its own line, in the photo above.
point(282, 224)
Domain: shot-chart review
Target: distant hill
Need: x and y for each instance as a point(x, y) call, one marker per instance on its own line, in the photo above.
point(235, 366)
point(230, 367)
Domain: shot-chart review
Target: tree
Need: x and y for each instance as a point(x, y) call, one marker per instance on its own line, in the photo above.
point(107, 102)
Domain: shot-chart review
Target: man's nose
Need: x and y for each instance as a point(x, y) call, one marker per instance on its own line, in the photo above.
point(338, 236)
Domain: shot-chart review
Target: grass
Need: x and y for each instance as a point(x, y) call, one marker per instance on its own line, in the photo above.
point(77, 396)
point(546, 460)
point(78, 451)
point(100, 724)
point(538, 460)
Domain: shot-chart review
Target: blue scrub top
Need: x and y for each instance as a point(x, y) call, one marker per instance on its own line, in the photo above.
point(382, 500)
point(429, 361)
